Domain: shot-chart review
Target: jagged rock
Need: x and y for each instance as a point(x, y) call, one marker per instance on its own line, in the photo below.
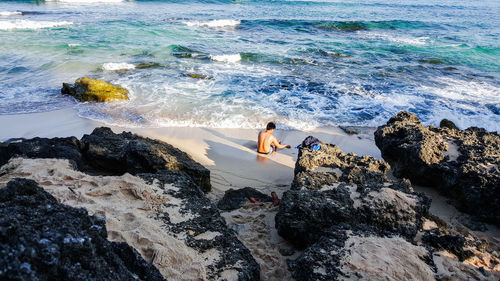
point(316, 168)
point(235, 199)
point(127, 152)
point(87, 89)
point(41, 239)
point(233, 255)
point(306, 215)
point(331, 188)
point(462, 164)
point(104, 152)
point(173, 180)
point(59, 148)
point(445, 123)
point(347, 254)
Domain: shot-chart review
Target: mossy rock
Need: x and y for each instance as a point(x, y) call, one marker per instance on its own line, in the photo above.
point(198, 76)
point(87, 89)
point(144, 65)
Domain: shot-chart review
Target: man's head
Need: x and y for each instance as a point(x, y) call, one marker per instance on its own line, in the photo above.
point(270, 126)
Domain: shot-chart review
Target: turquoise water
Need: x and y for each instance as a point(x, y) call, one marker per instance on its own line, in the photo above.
point(302, 64)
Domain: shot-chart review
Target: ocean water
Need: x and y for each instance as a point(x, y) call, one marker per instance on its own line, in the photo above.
point(302, 64)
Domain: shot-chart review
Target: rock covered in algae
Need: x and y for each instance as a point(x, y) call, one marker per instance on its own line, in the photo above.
point(87, 89)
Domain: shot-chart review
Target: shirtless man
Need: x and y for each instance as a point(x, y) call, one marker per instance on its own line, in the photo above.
point(267, 142)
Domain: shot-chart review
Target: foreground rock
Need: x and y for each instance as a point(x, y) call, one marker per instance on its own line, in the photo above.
point(235, 199)
point(107, 153)
point(354, 223)
point(87, 89)
point(159, 210)
point(462, 164)
point(44, 240)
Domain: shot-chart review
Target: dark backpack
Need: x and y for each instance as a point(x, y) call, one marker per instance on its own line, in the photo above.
point(309, 142)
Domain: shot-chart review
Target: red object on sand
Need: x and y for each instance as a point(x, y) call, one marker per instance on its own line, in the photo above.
point(276, 200)
point(253, 199)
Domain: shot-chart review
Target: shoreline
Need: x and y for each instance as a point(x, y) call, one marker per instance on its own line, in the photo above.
point(229, 154)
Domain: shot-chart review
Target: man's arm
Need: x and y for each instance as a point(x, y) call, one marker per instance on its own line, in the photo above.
point(278, 144)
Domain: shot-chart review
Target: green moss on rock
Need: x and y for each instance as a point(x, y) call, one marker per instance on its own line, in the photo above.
point(87, 89)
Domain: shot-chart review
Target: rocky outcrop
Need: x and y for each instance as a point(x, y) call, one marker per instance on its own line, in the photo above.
point(87, 89)
point(160, 210)
point(314, 169)
point(347, 254)
point(306, 215)
point(41, 239)
point(235, 199)
point(107, 153)
point(355, 223)
point(462, 164)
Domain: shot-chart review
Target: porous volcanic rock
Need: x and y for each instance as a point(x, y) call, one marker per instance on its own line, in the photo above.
point(166, 182)
point(104, 152)
point(462, 164)
point(332, 188)
point(236, 198)
point(316, 168)
point(306, 215)
point(205, 218)
point(127, 152)
point(350, 254)
point(41, 239)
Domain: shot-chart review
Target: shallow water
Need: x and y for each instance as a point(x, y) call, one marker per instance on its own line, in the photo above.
point(301, 63)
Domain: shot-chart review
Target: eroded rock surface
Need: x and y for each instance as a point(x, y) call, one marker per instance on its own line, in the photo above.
point(236, 198)
point(347, 254)
point(462, 164)
point(160, 210)
point(330, 164)
point(104, 152)
point(356, 224)
point(41, 239)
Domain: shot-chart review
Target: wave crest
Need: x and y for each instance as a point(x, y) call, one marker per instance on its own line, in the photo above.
point(115, 66)
point(28, 24)
point(214, 23)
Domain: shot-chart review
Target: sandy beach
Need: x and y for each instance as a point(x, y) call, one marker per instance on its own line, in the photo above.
point(230, 154)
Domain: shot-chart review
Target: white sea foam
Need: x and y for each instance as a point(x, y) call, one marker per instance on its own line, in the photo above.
point(86, 1)
point(73, 45)
point(233, 58)
point(29, 24)
point(113, 66)
point(214, 23)
point(402, 39)
point(7, 13)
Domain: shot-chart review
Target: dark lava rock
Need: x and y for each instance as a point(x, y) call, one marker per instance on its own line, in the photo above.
point(41, 239)
point(180, 177)
point(107, 153)
point(233, 254)
point(331, 188)
point(454, 243)
point(462, 164)
point(235, 199)
point(304, 216)
point(127, 152)
point(348, 253)
point(59, 148)
point(316, 168)
point(445, 123)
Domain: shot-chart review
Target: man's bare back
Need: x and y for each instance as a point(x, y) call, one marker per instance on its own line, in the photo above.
point(266, 141)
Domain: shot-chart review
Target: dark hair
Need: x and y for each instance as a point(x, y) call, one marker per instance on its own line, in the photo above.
point(270, 126)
